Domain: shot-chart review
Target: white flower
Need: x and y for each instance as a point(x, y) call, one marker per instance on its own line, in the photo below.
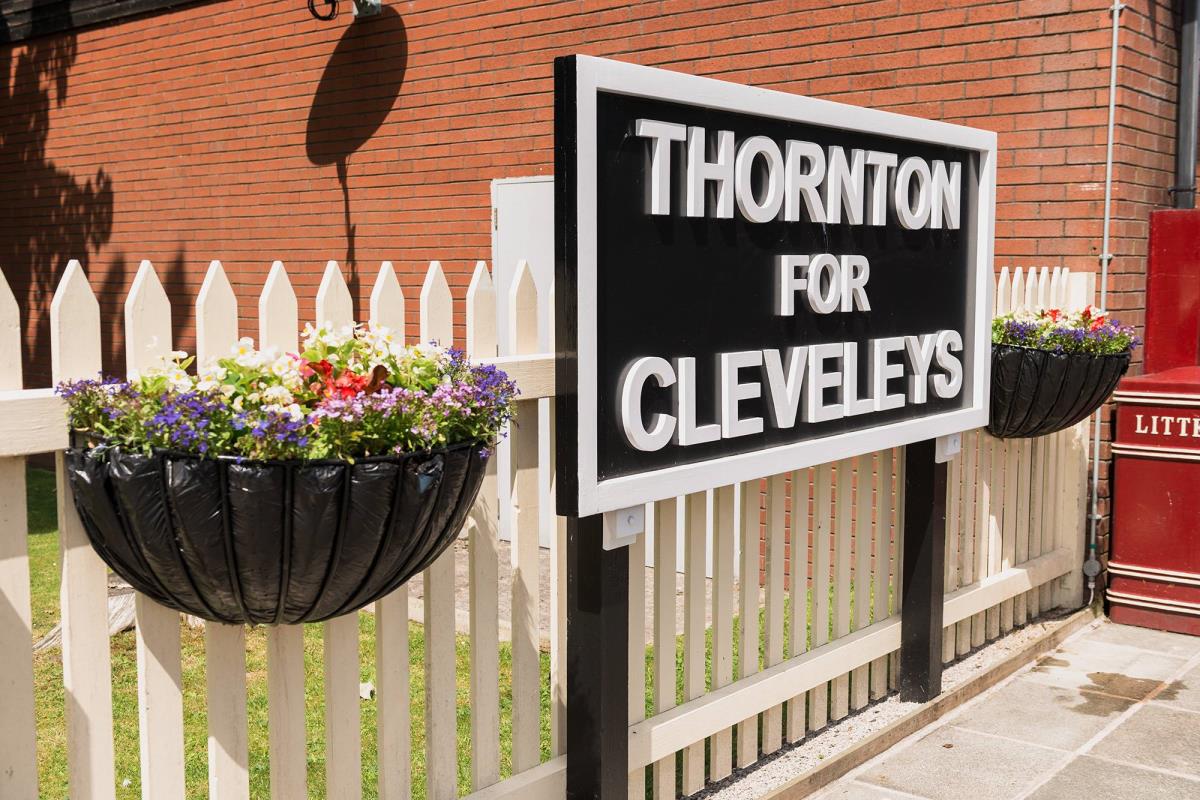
point(277, 394)
point(283, 366)
point(207, 384)
point(228, 389)
point(253, 397)
point(237, 403)
point(179, 380)
point(295, 412)
point(179, 355)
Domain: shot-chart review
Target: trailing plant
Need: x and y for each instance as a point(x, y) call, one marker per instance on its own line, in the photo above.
point(351, 392)
point(1087, 331)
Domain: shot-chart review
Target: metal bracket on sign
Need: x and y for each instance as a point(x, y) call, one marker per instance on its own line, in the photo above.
point(623, 526)
point(947, 447)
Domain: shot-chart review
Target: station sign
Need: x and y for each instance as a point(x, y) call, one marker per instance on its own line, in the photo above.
point(750, 282)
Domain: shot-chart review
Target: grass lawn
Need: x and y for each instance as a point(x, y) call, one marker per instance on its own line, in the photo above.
point(43, 551)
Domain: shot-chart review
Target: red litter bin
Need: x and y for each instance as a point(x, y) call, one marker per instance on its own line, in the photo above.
point(1154, 565)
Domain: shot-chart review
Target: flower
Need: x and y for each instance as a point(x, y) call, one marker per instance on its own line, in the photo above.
point(1085, 331)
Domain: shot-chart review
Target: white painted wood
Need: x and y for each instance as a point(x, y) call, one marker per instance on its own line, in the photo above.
point(387, 301)
point(637, 653)
point(278, 327)
point(521, 209)
point(524, 528)
point(840, 703)
point(533, 374)
point(665, 644)
point(864, 467)
point(882, 540)
point(34, 421)
point(18, 729)
point(818, 697)
point(484, 554)
point(1021, 542)
point(287, 748)
point(694, 532)
point(556, 527)
point(966, 552)
point(228, 738)
point(720, 762)
point(343, 733)
point(898, 575)
point(772, 737)
point(278, 316)
point(982, 525)
point(394, 698)
point(441, 739)
point(950, 574)
point(216, 315)
point(334, 303)
point(801, 488)
point(665, 733)
point(1009, 523)
point(224, 645)
point(749, 503)
point(159, 666)
point(547, 781)
point(18, 756)
point(394, 710)
point(87, 673)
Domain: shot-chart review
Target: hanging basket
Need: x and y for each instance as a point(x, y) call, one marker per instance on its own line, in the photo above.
point(1036, 392)
point(271, 542)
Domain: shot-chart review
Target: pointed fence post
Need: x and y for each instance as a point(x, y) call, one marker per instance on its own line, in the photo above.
point(18, 728)
point(159, 665)
point(391, 612)
point(441, 736)
point(278, 327)
point(224, 645)
point(83, 596)
point(483, 541)
point(343, 738)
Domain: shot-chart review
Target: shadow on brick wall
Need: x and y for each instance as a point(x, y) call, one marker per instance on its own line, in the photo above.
point(356, 93)
point(47, 215)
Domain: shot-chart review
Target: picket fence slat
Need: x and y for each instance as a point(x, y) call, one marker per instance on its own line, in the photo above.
point(636, 698)
point(882, 540)
point(521, 508)
point(748, 502)
point(484, 554)
point(18, 756)
point(844, 533)
point(224, 645)
point(861, 580)
point(798, 644)
point(278, 327)
point(818, 698)
point(83, 592)
point(724, 514)
point(392, 678)
point(694, 552)
point(665, 644)
point(159, 666)
point(441, 738)
point(776, 524)
point(343, 737)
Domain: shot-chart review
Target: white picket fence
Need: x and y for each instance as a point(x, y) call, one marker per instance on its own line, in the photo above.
point(1014, 545)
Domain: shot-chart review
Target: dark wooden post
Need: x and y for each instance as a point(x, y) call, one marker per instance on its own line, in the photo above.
point(924, 573)
point(597, 664)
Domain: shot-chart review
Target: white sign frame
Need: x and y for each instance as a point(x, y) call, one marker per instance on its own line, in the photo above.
point(593, 75)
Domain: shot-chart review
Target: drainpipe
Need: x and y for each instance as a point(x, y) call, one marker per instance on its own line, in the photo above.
point(1184, 190)
point(1091, 567)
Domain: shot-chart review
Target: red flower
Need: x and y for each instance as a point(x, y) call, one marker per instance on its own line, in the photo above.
point(1053, 314)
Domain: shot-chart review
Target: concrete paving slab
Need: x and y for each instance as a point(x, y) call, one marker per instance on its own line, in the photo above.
point(1040, 714)
point(1156, 737)
point(1183, 693)
point(945, 765)
point(1114, 669)
point(1165, 642)
point(1094, 779)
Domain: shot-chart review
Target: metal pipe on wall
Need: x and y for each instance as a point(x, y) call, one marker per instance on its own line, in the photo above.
point(1184, 190)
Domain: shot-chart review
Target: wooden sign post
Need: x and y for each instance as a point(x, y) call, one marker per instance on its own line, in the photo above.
point(747, 283)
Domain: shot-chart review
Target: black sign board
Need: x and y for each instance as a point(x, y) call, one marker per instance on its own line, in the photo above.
point(749, 282)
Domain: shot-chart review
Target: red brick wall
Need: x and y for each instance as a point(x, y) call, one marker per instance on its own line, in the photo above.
point(186, 136)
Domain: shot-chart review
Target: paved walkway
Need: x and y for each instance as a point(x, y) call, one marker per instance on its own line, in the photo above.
point(1112, 713)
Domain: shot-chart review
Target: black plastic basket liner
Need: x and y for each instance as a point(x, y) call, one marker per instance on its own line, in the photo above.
point(266, 542)
point(1036, 392)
